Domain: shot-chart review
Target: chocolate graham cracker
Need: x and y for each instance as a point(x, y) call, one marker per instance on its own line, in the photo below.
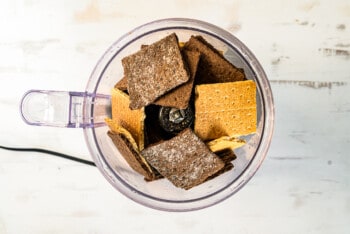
point(180, 96)
point(122, 84)
point(131, 156)
point(226, 168)
point(184, 159)
point(212, 67)
point(227, 156)
point(154, 70)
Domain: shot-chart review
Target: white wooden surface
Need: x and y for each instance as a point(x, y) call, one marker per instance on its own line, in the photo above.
point(302, 187)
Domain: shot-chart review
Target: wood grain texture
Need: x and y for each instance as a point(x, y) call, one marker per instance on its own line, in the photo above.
point(303, 185)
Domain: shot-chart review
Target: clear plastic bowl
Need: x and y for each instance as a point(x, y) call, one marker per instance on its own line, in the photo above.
point(161, 194)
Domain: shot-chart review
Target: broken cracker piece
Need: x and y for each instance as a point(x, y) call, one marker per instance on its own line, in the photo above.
point(131, 120)
point(213, 67)
point(226, 168)
point(225, 142)
point(227, 156)
point(115, 127)
point(225, 109)
point(122, 84)
point(131, 156)
point(154, 70)
point(184, 159)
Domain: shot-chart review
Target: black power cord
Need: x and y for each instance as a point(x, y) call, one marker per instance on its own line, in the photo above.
point(44, 151)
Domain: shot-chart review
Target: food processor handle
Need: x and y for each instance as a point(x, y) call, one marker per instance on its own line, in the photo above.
point(64, 109)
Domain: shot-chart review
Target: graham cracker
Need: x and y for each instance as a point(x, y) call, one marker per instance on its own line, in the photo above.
point(210, 46)
point(227, 156)
point(131, 156)
point(131, 120)
point(179, 97)
point(184, 159)
point(225, 142)
point(122, 84)
point(213, 67)
point(226, 168)
point(225, 109)
point(116, 128)
point(154, 70)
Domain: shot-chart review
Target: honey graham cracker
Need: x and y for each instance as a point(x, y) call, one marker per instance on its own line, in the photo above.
point(131, 120)
point(116, 128)
point(225, 142)
point(154, 70)
point(225, 109)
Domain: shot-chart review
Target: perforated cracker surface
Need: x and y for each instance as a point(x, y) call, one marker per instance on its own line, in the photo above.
point(225, 109)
